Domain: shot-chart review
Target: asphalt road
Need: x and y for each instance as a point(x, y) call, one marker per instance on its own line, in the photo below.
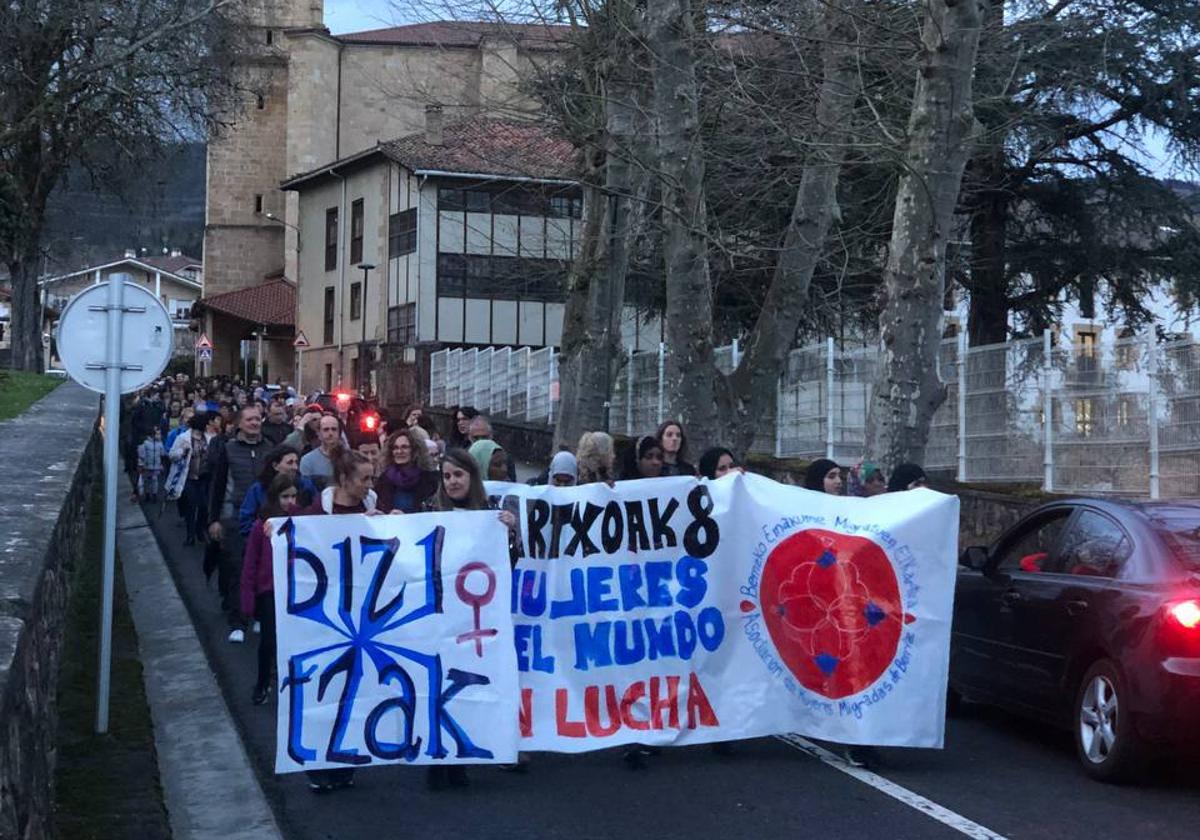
point(998, 774)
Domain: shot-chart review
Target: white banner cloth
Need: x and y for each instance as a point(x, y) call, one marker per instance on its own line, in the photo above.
point(677, 611)
point(395, 640)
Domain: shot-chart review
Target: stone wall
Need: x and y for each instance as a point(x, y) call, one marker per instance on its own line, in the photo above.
point(51, 457)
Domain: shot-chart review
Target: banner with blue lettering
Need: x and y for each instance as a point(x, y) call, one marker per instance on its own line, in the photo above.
point(395, 640)
point(677, 611)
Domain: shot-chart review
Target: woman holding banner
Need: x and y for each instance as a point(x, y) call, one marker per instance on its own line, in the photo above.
point(461, 488)
point(353, 477)
point(258, 584)
point(674, 448)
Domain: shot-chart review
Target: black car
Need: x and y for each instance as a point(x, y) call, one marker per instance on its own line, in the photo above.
point(1086, 613)
point(360, 415)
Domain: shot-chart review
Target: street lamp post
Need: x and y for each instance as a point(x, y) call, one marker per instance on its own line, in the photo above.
point(367, 268)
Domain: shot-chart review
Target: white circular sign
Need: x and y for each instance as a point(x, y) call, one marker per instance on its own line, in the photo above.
point(147, 336)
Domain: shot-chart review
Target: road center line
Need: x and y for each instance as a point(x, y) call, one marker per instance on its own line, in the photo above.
point(913, 800)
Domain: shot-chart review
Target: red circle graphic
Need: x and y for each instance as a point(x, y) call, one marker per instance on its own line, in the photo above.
point(831, 603)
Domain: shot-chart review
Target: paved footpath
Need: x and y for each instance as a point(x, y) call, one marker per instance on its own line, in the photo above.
point(998, 777)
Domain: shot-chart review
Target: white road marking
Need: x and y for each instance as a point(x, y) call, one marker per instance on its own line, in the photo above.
point(902, 794)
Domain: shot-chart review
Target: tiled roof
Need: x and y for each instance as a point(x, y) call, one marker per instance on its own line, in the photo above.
point(451, 33)
point(487, 146)
point(273, 303)
point(171, 263)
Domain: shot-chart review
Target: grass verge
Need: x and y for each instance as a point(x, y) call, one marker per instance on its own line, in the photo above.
point(106, 786)
point(19, 390)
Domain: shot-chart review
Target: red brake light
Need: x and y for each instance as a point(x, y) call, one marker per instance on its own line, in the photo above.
point(1186, 613)
point(342, 396)
point(369, 423)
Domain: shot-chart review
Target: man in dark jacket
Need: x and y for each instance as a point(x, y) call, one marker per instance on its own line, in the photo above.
point(235, 467)
point(277, 427)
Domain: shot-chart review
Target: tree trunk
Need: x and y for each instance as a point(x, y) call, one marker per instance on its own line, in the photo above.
point(987, 317)
point(27, 351)
point(591, 349)
point(670, 35)
point(749, 401)
point(907, 388)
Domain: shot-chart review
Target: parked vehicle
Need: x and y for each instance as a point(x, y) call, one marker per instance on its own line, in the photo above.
point(1086, 614)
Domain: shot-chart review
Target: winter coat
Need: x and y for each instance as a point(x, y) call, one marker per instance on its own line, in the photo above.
point(257, 494)
point(258, 575)
point(411, 500)
point(150, 455)
point(235, 468)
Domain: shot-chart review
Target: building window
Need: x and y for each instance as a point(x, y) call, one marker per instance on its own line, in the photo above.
point(1084, 421)
point(566, 207)
point(472, 275)
point(356, 232)
point(331, 238)
point(402, 233)
point(260, 102)
point(472, 201)
point(1124, 412)
point(402, 324)
point(328, 378)
point(355, 301)
point(258, 203)
point(270, 37)
point(329, 300)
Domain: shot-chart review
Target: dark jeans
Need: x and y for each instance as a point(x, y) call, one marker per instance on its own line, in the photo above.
point(194, 505)
point(229, 573)
point(264, 611)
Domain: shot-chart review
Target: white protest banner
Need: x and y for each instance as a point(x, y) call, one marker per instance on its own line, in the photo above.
point(674, 611)
point(395, 641)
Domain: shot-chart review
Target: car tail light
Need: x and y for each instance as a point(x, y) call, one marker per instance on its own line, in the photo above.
point(1179, 627)
point(370, 423)
point(1186, 614)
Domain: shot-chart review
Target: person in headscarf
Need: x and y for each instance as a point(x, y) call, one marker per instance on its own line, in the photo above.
point(564, 470)
point(491, 458)
point(717, 462)
point(906, 476)
point(824, 476)
point(867, 479)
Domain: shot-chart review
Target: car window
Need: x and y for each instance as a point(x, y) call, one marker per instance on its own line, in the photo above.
point(1182, 535)
point(1030, 549)
point(1095, 546)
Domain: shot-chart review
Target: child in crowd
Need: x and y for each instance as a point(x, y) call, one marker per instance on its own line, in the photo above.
point(150, 463)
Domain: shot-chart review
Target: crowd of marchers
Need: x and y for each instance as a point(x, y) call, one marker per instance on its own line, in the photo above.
point(230, 455)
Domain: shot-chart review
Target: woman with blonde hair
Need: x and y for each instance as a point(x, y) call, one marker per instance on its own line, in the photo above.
point(595, 455)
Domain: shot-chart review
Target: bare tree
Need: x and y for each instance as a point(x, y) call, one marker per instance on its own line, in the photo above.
point(941, 126)
point(80, 81)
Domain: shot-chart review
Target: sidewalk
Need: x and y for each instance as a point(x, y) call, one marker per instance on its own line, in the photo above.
point(209, 785)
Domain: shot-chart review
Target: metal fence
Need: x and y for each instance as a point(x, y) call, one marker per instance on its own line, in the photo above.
point(1099, 416)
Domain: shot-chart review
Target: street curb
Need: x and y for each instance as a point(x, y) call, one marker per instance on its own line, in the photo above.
point(209, 784)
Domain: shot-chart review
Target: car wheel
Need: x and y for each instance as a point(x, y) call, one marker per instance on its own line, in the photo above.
point(1108, 746)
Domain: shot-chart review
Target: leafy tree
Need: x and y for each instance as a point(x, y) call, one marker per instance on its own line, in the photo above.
point(1058, 193)
point(87, 82)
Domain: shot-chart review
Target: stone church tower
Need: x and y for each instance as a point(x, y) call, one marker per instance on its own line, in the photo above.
point(248, 159)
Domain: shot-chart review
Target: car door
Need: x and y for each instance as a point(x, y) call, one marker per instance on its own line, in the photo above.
point(985, 659)
point(1057, 612)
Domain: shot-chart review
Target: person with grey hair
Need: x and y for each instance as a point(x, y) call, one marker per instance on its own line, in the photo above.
point(481, 429)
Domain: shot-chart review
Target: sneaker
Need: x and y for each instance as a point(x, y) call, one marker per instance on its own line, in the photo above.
point(321, 787)
point(257, 627)
point(237, 636)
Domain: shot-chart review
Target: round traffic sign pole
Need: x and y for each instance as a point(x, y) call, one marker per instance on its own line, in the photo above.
point(112, 432)
point(135, 330)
